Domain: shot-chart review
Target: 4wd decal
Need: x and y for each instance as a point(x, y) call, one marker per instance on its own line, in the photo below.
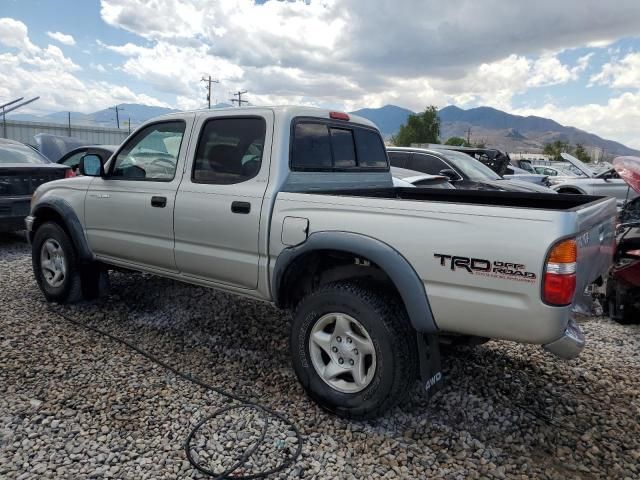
point(487, 268)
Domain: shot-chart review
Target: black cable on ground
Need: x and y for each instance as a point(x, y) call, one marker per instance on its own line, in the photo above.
point(265, 413)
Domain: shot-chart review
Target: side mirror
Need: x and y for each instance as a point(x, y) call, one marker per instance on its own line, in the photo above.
point(91, 165)
point(452, 175)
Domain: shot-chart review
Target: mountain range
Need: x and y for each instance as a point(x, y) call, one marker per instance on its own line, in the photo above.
point(492, 127)
point(495, 128)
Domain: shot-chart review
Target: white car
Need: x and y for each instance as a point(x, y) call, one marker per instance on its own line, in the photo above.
point(410, 178)
point(607, 182)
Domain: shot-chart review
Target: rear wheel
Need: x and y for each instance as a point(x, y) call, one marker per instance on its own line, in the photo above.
point(55, 264)
point(353, 349)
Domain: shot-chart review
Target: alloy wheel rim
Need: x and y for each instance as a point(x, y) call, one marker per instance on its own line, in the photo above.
point(53, 263)
point(342, 352)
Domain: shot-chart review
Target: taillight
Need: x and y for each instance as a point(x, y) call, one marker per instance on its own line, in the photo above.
point(68, 173)
point(339, 116)
point(560, 274)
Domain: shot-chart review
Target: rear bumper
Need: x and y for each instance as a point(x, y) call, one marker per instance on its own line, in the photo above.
point(570, 344)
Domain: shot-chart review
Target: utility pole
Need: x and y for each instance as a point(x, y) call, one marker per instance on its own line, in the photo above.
point(129, 124)
point(69, 122)
point(117, 109)
point(209, 82)
point(469, 136)
point(239, 100)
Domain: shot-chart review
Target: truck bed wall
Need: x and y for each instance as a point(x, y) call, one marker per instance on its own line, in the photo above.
point(473, 303)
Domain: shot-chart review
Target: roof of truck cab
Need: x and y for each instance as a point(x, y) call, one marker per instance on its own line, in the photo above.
point(290, 111)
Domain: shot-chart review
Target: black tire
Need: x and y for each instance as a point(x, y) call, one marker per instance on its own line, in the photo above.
point(622, 303)
point(70, 291)
point(386, 322)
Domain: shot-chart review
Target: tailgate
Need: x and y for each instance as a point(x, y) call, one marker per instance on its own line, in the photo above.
point(596, 246)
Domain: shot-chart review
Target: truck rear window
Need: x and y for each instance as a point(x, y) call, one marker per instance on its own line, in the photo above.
point(319, 145)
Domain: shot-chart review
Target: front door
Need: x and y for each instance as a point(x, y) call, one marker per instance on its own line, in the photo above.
point(217, 214)
point(129, 212)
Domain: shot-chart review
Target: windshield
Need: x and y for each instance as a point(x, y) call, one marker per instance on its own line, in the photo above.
point(19, 153)
point(470, 167)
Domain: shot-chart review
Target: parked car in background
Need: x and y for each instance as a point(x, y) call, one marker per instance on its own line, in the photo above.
point(22, 170)
point(410, 178)
point(500, 162)
point(515, 173)
point(553, 171)
point(55, 146)
point(463, 171)
point(72, 158)
point(606, 182)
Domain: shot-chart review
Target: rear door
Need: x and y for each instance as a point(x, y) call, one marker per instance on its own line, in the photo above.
point(129, 212)
point(217, 212)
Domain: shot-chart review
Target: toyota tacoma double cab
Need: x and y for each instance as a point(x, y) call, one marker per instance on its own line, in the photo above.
point(296, 206)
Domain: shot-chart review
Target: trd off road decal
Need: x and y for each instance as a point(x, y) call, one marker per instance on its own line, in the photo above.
point(487, 268)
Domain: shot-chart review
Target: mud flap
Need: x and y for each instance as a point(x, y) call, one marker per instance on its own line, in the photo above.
point(431, 377)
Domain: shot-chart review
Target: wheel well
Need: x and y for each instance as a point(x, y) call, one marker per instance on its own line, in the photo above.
point(313, 269)
point(44, 215)
point(571, 190)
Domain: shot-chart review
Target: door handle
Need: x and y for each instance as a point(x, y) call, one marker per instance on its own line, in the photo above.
point(241, 207)
point(159, 202)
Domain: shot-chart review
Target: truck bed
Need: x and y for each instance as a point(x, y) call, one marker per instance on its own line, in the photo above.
point(545, 201)
point(499, 228)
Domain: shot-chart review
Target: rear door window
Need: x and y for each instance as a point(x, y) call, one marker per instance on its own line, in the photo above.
point(229, 150)
point(426, 164)
point(399, 159)
point(323, 146)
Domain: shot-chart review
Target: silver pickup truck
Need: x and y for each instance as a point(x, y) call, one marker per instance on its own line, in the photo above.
point(296, 206)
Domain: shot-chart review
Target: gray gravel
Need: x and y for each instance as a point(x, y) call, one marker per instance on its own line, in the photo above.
point(74, 404)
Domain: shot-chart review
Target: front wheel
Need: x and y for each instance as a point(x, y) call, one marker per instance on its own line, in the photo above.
point(55, 264)
point(353, 349)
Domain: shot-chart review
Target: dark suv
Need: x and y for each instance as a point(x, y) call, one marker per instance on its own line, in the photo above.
point(464, 171)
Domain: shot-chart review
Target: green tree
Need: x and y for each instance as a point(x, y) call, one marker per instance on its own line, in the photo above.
point(421, 127)
point(457, 141)
point(581, 153)
point(555, 149)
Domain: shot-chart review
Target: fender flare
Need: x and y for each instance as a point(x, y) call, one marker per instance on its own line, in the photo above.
point(397, 268)
point(71, 224)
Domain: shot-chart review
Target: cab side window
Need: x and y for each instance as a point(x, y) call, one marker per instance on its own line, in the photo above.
point(152, 154)
point(229, 150)
point(324, 146)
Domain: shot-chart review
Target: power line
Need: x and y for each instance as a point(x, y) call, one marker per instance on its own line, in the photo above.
point(239, 100)
point(209, 82)
point(117, 109)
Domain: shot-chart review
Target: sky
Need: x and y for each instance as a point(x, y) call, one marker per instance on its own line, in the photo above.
point(575, 61)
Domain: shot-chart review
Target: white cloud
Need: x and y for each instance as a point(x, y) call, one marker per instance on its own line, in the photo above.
point(14, 34)
point(350, 53)
point(62, 38)
point(624, 73)
point(46, 72)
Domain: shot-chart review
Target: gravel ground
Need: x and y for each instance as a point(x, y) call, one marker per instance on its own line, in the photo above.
point(74, 404)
